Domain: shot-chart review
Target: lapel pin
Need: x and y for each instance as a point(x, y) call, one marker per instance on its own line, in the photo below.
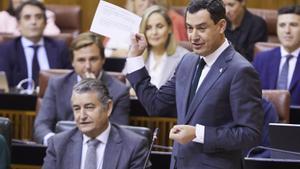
point(221, 70)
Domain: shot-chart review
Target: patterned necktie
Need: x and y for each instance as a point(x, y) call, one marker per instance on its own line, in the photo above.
point(283, 76)
point(35, 64)
point(201, 64)
point(91, 155)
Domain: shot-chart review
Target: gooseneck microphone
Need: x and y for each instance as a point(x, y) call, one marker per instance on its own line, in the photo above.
point(151, 145)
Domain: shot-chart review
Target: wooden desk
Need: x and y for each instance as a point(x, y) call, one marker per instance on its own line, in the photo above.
point(20, 109)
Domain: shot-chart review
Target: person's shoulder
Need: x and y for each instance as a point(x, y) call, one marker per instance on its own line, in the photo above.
point(10, 44)
point(62, 79)
point(54, 42)
point(268, 54)
point(128, 135)
point(113, 82)
point(257, 20)
point(62, 137)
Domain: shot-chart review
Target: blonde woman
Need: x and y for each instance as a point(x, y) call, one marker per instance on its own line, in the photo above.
point(163, 54)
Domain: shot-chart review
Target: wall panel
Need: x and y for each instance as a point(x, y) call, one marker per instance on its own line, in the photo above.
point(89, 6)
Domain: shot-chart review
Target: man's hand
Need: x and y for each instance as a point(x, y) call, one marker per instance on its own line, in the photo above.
point(183, 133)
point(89, 75)
point(138, 45)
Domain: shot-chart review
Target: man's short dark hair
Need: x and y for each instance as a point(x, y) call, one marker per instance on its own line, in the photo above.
point(86, 39)
point(32, 3)
point(292, 9)
point(94, 85)
point(216, 8)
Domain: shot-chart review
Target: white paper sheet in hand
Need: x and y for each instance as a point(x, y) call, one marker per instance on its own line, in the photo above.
point(115, 22)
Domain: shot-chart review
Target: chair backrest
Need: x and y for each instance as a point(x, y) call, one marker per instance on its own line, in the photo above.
point(68, 125)
point(44, 77)
point(281, 100)
point(67, 17)
point(5, 129)
point(264, 46)
point(66, 37)
point(270, 16)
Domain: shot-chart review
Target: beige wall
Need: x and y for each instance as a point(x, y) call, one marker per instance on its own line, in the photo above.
point(89, 6)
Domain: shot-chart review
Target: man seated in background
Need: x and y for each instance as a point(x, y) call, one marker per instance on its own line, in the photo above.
point(244, 29)
point(87, 58)
point(270, 116)
point(279, 68)
point(24, 56)
point(95, 142)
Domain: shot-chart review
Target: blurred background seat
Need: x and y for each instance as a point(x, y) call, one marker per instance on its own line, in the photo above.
point(67, 17)
point(281, 100)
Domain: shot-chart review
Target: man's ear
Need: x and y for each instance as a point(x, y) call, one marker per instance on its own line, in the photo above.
point(109, 107)
point(222, 24)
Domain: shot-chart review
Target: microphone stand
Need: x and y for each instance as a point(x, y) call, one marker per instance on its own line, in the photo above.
point(151, 145)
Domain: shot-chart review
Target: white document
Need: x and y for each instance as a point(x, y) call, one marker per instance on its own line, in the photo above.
point(115, 22)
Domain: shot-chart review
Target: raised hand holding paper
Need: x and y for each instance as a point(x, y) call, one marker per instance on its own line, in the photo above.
point(115, 22)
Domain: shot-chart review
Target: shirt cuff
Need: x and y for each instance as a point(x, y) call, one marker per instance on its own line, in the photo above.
point(200, 131)
point(134, 63)
point(45, 141)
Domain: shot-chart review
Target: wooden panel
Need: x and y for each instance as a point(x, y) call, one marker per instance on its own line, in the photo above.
point(163, 123)
point(20, 166)
point(22, 123)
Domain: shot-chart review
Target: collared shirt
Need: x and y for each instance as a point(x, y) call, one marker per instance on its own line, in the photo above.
point(156, 68)
point(210, 60)
point(103, 137)
point(136, 63)
point(292, 63)
point(29, 52)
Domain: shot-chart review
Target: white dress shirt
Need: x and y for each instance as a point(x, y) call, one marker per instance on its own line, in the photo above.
point(136, 63)
point(292, 63)
point(29, 52)
point(103, 137)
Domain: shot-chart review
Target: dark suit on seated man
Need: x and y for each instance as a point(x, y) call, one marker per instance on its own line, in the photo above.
point(87, 60)
point(215, 92)
point(24, 56)
point(279, 68)
point(4, 154)
point(114, 147)
point(270, 116)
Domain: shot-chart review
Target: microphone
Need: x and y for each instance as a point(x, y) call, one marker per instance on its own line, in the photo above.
point(151, 145)
point(30, 88)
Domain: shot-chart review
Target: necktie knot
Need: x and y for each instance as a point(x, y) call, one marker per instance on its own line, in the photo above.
point(93, 142)
point(35, 47)
point(288, 57)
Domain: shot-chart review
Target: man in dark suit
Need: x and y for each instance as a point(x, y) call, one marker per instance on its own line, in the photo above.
point(24, 56)
point(279, 68)
point(221, 118)
point(117, 148)
point(244, 29)
point(87, 59)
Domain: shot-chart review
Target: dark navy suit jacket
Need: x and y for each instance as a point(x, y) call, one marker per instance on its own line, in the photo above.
point(267, 64)
point(228, 104)
point(13, 61)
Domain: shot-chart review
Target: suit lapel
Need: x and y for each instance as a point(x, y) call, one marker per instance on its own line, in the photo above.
point(296, 73)
point(217, 69)
point(74, 151)
point(50, 50)
point(187, 78)
point(274, 71)
point(21, 59)
point(112, 150)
